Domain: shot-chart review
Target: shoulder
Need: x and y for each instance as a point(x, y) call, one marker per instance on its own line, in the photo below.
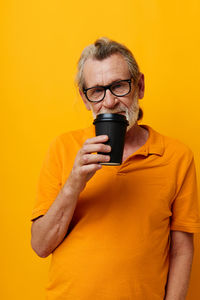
point(177, 148)
point(173, 148)
point(71, 139)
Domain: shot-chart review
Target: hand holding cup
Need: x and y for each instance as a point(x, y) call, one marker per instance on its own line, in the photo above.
point(87, 162)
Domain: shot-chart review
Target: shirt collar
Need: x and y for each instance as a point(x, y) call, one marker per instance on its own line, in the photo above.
point(154, 143)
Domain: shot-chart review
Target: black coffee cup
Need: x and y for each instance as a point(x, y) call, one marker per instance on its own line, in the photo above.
point(113, 125)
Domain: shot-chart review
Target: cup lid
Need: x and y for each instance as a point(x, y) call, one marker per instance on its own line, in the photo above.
point(111, 117)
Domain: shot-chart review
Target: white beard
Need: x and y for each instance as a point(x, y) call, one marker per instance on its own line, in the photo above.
point(131, 113)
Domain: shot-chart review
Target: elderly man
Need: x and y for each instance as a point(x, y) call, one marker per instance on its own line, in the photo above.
point(116, 232)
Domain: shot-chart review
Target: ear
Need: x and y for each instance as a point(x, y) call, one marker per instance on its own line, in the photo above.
point(141, 86)
point(84, 100)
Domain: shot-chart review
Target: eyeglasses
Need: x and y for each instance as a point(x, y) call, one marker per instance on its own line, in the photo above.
point(97, 93)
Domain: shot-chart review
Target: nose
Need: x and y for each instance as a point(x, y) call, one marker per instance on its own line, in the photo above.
point(110, 100)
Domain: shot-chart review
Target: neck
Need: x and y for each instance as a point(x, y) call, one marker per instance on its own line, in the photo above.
point(136, 136)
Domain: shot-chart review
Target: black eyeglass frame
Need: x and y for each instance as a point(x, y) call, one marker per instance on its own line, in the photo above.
point(108, 87)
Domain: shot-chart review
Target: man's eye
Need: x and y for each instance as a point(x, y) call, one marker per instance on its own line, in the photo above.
point(96, 91)
point(117, 87)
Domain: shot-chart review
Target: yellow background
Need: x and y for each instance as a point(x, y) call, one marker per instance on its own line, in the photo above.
point(40, 44)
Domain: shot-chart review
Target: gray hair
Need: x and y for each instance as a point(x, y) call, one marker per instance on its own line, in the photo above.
point(101, 49)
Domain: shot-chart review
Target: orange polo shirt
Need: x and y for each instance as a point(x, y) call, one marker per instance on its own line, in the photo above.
point(117, 244)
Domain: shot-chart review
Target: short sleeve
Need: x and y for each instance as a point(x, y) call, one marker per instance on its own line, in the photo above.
point(49, 183)
point(185, 207)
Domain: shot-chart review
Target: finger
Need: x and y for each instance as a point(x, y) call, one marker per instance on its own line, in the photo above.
point(97, 139)
point(86, 169)
point(94, 158)
point(90, 148)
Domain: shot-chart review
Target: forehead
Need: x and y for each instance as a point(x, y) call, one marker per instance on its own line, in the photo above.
point(103, 72)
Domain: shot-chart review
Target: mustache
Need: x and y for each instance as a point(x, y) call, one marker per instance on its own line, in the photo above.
point(114, 111)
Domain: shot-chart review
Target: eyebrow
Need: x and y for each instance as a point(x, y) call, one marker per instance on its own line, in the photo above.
point(99, 85)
